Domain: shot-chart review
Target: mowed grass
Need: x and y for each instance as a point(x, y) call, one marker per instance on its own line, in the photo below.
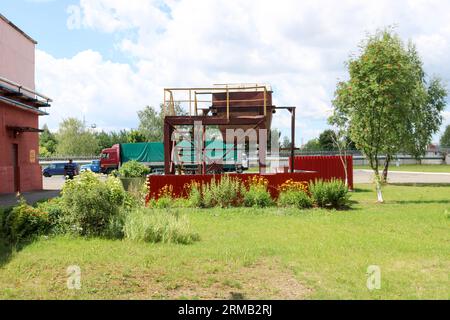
point(259, 253)
point(414, 168)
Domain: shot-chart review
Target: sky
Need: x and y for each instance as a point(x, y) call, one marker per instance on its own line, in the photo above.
point(103, 60)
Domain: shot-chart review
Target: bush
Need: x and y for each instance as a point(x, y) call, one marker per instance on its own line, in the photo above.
point(332, 194)
point(89, 204)
point(257, 194)
point(226, 192)
point(133, 169)
point(54, 210)
point(195, 198)
point(294, 198)
point(164, 200)
point(23, 222)
point(156, 226)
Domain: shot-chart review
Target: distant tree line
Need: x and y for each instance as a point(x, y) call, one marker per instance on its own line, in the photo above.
point(74, 137)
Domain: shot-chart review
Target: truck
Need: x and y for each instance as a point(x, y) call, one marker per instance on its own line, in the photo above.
point(221, 157)
point(94, 166)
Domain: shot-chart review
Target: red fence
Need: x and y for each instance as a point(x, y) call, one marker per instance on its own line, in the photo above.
point(318, 167)
point(328, 167)
point(180, 182)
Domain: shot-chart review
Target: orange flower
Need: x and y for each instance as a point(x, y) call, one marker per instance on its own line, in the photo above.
point(291, 185)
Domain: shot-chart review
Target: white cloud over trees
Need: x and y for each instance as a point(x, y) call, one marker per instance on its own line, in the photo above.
point(297, 46)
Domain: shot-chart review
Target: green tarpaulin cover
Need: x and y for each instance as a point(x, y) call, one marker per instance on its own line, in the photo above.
point(154, 151)
point(142, 152)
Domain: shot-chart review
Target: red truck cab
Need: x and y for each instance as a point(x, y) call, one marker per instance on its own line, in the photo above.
point(110, 159)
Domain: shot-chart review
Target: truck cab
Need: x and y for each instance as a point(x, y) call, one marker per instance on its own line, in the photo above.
point(110, 159)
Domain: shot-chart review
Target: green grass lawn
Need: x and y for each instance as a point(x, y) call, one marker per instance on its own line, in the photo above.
point(265, 253)
point(414, 168)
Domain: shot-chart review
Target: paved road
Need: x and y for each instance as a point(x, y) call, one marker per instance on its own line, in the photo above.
point(366, 176)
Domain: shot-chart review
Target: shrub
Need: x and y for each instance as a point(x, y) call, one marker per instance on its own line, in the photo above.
point(23, 222)
point(90, 204)
point(156, 226)
point(133, 169)
point(294, 198)
point(194, 191)
point(165, 198)
point(224, 193)
point(54, 210)
point(257, 194)
point(332, 194)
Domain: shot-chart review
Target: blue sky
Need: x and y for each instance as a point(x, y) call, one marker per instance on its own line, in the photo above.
point(46, 22)
point(103, 60)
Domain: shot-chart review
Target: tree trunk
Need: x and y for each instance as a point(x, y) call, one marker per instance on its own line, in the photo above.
point(378, 185)
point(386, 168)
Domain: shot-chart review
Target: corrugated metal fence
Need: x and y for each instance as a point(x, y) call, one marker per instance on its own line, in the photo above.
point(317, 167)
point(328, 167)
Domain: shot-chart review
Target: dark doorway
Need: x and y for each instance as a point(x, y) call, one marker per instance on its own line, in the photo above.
point(15, 163)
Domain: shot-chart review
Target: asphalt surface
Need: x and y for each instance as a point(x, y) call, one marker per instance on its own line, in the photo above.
point(398, 177)
point(53, 185)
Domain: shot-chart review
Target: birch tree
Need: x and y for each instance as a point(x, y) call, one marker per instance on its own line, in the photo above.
point(386, 100)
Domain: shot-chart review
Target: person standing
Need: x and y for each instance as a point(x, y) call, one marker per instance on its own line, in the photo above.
point(70, 170)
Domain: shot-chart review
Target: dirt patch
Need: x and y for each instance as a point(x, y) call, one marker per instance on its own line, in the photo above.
point(262, 280)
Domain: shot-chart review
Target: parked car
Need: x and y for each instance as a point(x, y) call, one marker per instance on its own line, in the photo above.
point(94, 166)
point(54, 169)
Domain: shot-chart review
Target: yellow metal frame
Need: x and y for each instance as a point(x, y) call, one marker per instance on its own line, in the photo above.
point(192, 93)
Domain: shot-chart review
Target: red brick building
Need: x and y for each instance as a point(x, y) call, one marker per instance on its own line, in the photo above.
point(20, 108)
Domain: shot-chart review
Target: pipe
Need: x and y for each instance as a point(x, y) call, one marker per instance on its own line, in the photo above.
point(23, 106)
point(12, 83)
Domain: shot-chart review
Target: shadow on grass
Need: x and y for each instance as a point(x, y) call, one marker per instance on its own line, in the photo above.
point(359, 190)
point(7, 250)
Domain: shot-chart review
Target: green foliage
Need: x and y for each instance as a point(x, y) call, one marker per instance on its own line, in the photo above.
point(136, 136)
point(151, 122)
point(156, 226)
point(329, 194)
point(294, 198)
point(23, 223)
point(312, 145)
point(54, 210)
point(90, 204)
point(445, 139)
point(195, 196)
point(75, 139)
point(326, 140)
point(257, 194)
point(47, 142)
point(224, 193)
point(386, 102)
point(43, 152)
point(133, 169)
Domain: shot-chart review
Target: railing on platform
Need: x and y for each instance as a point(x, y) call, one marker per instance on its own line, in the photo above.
point(190, 96)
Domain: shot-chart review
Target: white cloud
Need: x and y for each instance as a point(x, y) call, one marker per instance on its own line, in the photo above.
point(297, 46)
point(103, 92)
